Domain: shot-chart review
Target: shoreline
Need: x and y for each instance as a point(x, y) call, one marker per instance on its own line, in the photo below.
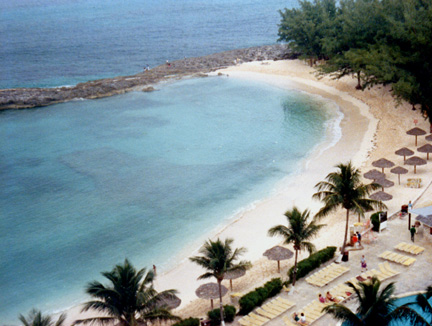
point(382, 124)
point(248, 227)
point(25, 98)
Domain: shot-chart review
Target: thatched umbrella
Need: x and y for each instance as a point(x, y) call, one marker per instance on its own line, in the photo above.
point(374, 174)
point(381, 196)
point(429, 137)
point(404, 152)
point(384, 183)
point(169, 301)
point(399, 170)
point(383, 163)
point(426, 149)
point(415, 160)
point(416, 132)
point(278, 253)
point(210, 291)
point(233, 275)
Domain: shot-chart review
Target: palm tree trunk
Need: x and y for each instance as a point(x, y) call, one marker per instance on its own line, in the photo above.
point(220, 302)
point(346, 232)
point(295, 267)
point(358, 81)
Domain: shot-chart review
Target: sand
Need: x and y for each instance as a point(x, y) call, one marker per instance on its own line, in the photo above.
point(373, 126)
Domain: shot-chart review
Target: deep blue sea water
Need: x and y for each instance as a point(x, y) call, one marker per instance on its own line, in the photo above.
point(63, 42)
point(87, 183)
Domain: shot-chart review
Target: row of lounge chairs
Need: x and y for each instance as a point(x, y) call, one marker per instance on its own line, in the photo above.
point(409, 248)
point(385, 272)
point(397, 258)
point(327, 274)
point(266, 312)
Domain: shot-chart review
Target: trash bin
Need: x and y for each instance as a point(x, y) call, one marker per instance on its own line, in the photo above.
point(345, 256)
point(404, 209)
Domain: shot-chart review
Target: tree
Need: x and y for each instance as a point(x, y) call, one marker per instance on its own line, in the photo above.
point(218, 258)
point(375, 307)
point(344, 189)
point(298, 232)
point(305, 28)
point(35, 318)
point(128, 299)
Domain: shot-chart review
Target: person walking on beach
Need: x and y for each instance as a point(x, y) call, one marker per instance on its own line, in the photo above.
point(363, 264)
point(413, 232)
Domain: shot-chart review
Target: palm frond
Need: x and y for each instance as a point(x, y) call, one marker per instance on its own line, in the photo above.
point(95, 320)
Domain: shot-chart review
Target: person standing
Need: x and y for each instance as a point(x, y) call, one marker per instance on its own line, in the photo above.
point(413, 232)
point(363, 264)
point(359, 238)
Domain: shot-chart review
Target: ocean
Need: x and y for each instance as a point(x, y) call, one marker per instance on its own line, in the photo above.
point(140, 175)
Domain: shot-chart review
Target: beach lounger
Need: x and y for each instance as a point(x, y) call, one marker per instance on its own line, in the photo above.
point(258, 317)
point(389, 268)
point(397, 258)
point(385, 271)
point(247, 321)
point(289, 321)
point(273, 309)
point(266, 313)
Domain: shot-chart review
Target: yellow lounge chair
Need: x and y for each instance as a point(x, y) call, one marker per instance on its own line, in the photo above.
point(266, 313)
point(409, 262)
point(258, 317)
point(288, 321)
point(388, 267)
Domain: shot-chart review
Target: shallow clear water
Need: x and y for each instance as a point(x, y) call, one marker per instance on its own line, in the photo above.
point(87, 183)
point(47, 43)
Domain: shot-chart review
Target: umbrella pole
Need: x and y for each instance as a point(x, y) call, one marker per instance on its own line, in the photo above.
point(416, 140)
point(211, 303)
point(415, 169)
point(231, 285)
point(278, 266)
point(399, 178)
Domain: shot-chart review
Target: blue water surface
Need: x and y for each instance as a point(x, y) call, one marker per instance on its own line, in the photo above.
point(47, 43)
point(141, 175)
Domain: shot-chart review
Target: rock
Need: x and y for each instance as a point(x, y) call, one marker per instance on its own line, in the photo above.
point(20, 98)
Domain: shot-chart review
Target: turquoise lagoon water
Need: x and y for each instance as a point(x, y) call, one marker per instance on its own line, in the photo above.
point(87, 183)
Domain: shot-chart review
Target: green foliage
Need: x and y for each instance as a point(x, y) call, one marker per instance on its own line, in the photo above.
point(375, 220)
point(128, 299)
point(188, 322)
point(218, 258)
point(344, 189)
point(307, 265)
point(299, 231)
point(381, 42)
point(255, 298)
point(35, 318)
point(214, 315)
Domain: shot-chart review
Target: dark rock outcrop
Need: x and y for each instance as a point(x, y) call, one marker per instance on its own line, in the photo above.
point(20, 98)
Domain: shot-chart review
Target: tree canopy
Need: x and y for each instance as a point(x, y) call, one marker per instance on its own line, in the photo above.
point(385, 42)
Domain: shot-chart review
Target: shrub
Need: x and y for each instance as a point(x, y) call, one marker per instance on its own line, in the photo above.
point(255, 298)
point(188, 322)
point(375, 220)
point(307, 265)
point(214, 315)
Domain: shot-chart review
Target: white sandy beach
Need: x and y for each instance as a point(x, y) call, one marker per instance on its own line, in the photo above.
point(373, 127)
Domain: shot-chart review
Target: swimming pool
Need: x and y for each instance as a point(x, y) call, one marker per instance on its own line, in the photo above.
point(401, 301)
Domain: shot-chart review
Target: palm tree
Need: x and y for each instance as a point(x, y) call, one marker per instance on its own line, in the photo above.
point(298, 232)
point(375, 307)
point(218, 258)
point(344, 189)
point(129, 299)
point(35, 318)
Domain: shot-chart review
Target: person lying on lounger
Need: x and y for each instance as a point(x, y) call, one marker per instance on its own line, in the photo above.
point(331, 298)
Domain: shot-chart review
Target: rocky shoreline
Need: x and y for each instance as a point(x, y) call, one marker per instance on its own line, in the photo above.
point(22, 98)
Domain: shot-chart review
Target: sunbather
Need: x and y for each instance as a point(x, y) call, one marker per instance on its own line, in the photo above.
point(331, 298)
